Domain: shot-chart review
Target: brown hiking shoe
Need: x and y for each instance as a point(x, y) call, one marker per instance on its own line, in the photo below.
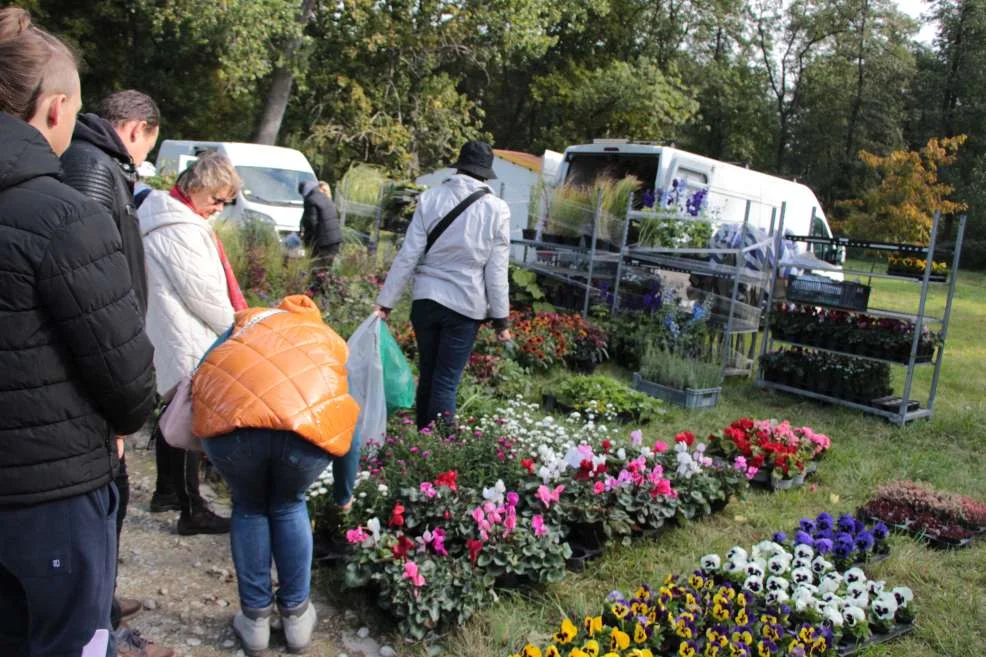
point(128, 606)
point(129, 643)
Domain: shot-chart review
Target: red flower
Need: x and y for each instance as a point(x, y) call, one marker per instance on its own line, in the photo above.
point(528, 464)
point(474, 545)
point(686, 437)
point(606, 445)
point(396, 516)
point(447, 479)
point(403, 547)
point(757, 461)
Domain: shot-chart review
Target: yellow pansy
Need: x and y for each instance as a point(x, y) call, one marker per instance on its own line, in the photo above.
point(593, 625)
point(686, 649)
point(577, 652)
point(741, 599)
point(763, 650)
point(669, 580)
point(696, 581)
point(639, 633)
point(720, 613)
point(737, 650)
point(820, 646)
point(807, 634)
point(642, 593)
point(741, 617)
point(620, 610)
point(640, 652)
point(552, 651)
point(768, 619)
point(530, 650)
point(728, 592)
point(770, 632)
point(743, 636)
point(567, 632)
point(619, 640)
point(611, 654)
point(711, 650)
point(591, 648)
point(794, 644)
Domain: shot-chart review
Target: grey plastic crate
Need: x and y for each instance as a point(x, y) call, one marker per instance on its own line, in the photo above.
point(689, 398)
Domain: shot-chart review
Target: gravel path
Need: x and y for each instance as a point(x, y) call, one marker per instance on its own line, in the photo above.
point(188, 586)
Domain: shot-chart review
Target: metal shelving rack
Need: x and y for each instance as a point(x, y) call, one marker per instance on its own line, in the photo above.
point(920, 319)
point(580, 266)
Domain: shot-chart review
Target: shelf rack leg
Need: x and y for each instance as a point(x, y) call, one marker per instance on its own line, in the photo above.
point(919, 322)
point(623, 251)
point(768, 340)
point(596, 217)
point(727, 338)
point(956, 255)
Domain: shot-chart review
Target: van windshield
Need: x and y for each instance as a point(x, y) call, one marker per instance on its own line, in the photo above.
point(585, 168)
point(273, 186)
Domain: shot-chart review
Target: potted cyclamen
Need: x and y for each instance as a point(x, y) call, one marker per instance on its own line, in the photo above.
point(683, 381)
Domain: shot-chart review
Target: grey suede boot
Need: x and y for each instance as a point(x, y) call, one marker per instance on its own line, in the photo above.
point(252, 628)
point(298, 623)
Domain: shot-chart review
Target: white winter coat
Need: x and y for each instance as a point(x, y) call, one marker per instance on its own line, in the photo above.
point(188, 303)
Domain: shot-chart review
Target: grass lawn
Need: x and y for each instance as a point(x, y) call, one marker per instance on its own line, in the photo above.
point(948, 451)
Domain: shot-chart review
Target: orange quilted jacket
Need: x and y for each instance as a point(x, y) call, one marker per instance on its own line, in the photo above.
point(287, 372)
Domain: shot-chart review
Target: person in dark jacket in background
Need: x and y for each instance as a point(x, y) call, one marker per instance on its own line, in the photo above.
point(102, 163)
point(320, 229)
point(76, 363)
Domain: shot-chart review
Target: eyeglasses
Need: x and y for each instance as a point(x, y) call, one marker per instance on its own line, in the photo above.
point(224, 201)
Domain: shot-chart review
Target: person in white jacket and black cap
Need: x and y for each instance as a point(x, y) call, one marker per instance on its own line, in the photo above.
point(457, 250)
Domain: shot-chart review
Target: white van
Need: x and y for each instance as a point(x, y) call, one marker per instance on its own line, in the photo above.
point(270, 178)
point(663, 168)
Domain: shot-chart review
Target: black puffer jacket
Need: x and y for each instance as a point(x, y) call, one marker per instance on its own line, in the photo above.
point(98, 165)
point(76, 362)
point(320, 221)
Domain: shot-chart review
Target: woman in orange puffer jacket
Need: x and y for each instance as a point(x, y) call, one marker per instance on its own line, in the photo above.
point(273, 406)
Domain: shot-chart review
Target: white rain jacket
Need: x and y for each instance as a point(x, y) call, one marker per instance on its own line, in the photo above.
point(188, 303)
point(466, 268)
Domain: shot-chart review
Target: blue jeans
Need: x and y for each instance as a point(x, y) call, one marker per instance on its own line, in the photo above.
point(344, 471)
point(445, 339)
point(57, 566)
point(268, 473)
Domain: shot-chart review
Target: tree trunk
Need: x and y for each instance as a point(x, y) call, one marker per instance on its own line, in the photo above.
point(282, 81)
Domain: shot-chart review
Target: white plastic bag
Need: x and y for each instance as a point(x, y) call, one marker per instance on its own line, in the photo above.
point(366, 382)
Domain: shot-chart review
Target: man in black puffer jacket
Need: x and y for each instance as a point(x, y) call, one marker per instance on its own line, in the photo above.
point(321, 232)
point(102, 163)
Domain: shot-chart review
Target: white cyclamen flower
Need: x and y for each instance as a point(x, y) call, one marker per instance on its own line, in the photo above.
point(885, 606)
point(373, 524)
point(853, 616)
point(710, 563)
point(495, 492)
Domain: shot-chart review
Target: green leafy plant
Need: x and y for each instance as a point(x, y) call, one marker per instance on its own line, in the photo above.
point(677, 371)
point(610, 395)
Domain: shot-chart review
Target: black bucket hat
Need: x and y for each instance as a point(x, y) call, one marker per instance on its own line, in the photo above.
point(476, 157)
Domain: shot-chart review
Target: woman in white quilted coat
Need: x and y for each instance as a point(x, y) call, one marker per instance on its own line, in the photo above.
point(188, 308)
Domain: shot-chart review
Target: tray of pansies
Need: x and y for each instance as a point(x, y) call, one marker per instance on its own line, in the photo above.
point(846, 541)
point(780, 455)
point(943, 520)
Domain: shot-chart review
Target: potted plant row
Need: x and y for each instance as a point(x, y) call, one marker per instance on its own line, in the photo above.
point(915, 267)
point(941, 519)
point(671, 376)
point(851, 332)
point(834, 375)
point(443, 516)
point(779, 455)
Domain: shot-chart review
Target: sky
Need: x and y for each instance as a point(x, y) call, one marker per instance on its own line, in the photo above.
point(915, 8)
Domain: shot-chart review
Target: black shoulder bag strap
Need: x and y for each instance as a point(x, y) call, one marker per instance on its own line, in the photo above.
point(447, 220)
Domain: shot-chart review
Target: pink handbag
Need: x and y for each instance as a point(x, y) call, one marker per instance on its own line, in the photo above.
point(176, 421)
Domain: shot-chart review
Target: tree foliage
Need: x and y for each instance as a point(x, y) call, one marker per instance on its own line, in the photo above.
point(900, 206)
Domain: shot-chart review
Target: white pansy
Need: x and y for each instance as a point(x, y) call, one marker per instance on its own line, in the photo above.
point(777, 584)
point(853, 615)
point(803, 551)
point(830, 582)
point(854, 575)
point(767, 550)
point(801, 562)
point(775, 598)
point(755, 569)
point(876, 586)
point(903, 594)
point(858, 594)
point(884, 606)
point(754, 584)
point(710, 563)
point(820, 566)
point(832, 616)
point(732, 567)
point(736, 553)
point(802, 576)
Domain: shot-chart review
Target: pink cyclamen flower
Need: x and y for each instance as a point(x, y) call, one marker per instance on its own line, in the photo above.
point(438, 542)
point(428, 489)
point(357, 535)
point(537, 522)
point(411, 572)
point(512, 498)
point(599, 488)
point(664, 487)
point(547, 496)
point(660, 447)
point(636, 437)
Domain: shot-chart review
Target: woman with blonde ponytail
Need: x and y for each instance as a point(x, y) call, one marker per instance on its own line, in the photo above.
point(75, 359)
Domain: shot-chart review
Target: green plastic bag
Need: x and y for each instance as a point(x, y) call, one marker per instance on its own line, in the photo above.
point(398, 381)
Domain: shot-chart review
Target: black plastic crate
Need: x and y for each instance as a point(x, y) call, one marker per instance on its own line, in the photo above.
point(826, 292)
